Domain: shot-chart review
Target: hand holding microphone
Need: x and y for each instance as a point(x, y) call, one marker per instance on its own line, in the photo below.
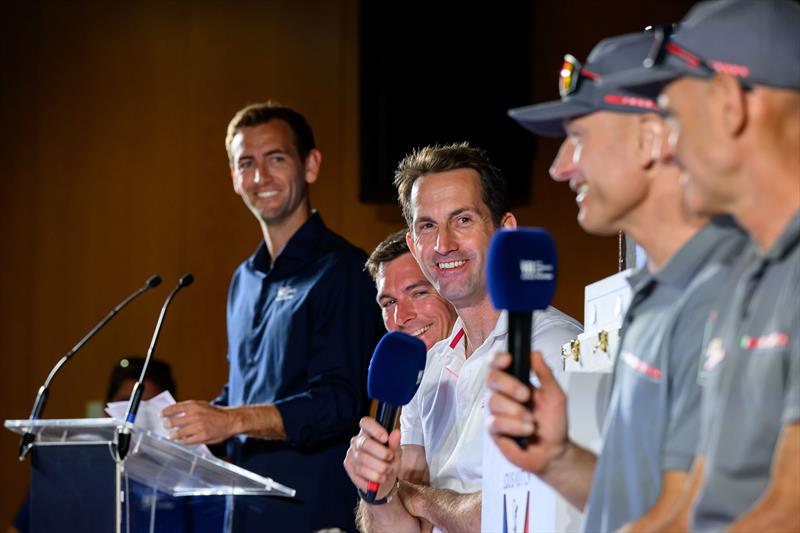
point(395, 372)
point(521, 278)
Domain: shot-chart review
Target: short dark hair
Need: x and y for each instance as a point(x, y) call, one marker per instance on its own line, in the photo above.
point(389, 249)
point(255, 114)
point(130, 367)
point(437, 158)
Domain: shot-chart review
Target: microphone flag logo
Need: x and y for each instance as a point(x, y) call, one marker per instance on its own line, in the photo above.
point(535, 270)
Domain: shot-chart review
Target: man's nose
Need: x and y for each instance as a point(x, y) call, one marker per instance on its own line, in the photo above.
point(563, 166)
point(445, 240)
point(404, 313)
point(673, 138)
point(261, 173)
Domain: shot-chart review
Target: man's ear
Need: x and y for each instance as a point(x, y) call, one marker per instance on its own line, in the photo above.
point(410, 244)
point(653, 145)
point(730, 103)
point(236, 180)
point(509, 221)
point(312, 164)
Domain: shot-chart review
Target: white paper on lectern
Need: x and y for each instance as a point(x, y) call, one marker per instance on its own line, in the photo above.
point(149, 418)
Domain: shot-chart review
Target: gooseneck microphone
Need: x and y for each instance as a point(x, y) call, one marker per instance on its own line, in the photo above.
point(521, 278)
point(395, 372)
point(41, 397)
point(124, 435)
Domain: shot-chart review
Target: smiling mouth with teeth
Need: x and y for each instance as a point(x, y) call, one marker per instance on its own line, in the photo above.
point(267, 194)
point(421, 330)
point(582, 191)
point(451, 264)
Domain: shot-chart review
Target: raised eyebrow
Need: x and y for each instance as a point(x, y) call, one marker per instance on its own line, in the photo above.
point(453, 214)
point(424, 219)
point(463, 210)
point(416, 285)
point(383, 296)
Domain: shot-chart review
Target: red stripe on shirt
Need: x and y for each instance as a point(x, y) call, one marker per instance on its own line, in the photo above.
point(457, 338)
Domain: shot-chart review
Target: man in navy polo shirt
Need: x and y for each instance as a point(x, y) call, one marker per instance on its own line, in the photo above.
point(302, 324)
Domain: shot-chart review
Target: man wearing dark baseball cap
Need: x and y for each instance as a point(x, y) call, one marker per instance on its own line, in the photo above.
point(582, 89)
point(731, 85)
point(616, 159)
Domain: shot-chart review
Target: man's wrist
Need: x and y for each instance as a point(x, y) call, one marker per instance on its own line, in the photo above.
point(261, 421)
point(559, 463)
point(234, 423)
point(413, 498)
point(379, 501)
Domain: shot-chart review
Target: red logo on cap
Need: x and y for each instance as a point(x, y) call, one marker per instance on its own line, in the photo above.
point(740, 71)
point(631, 101)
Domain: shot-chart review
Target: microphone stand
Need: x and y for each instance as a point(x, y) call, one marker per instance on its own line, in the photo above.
point(124, 435)
point(41, 397)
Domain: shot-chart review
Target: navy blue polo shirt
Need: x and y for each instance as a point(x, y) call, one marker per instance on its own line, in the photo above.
point(301, 330)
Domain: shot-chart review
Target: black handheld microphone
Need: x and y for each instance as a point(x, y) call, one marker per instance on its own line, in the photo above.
point(124, 435)
point(41, 397)
point(521, 278)
point(395, 372)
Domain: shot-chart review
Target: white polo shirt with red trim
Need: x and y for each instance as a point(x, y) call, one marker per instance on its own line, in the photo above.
point(446, 416)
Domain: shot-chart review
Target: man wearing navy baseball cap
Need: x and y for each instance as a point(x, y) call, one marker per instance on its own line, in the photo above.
point(616, 158)
point(731, 86)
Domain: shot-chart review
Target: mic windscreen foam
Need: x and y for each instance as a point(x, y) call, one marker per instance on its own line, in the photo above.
point(396, 368)
point(521, 269)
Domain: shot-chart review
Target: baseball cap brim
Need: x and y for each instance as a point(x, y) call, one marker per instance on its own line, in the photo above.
point(649, 81)
point(548, 118)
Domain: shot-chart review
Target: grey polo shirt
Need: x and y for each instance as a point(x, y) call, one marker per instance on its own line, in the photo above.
point(652, 423)
point(751, 371)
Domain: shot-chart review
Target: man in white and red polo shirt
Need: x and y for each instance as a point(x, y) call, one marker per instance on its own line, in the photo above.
point(453, 200)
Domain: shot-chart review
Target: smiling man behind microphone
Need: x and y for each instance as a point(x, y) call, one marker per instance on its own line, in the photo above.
point(453, 200)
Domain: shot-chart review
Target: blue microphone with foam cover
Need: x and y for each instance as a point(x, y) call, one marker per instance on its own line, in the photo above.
point(395, 372)
point(521, 277)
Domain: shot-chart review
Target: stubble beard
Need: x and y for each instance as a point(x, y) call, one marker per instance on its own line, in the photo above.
point(284, 211)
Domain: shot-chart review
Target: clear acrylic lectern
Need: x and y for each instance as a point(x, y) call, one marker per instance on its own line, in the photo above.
point(78, 485)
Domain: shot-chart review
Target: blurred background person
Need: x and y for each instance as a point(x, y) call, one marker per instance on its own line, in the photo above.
point(187, 514)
